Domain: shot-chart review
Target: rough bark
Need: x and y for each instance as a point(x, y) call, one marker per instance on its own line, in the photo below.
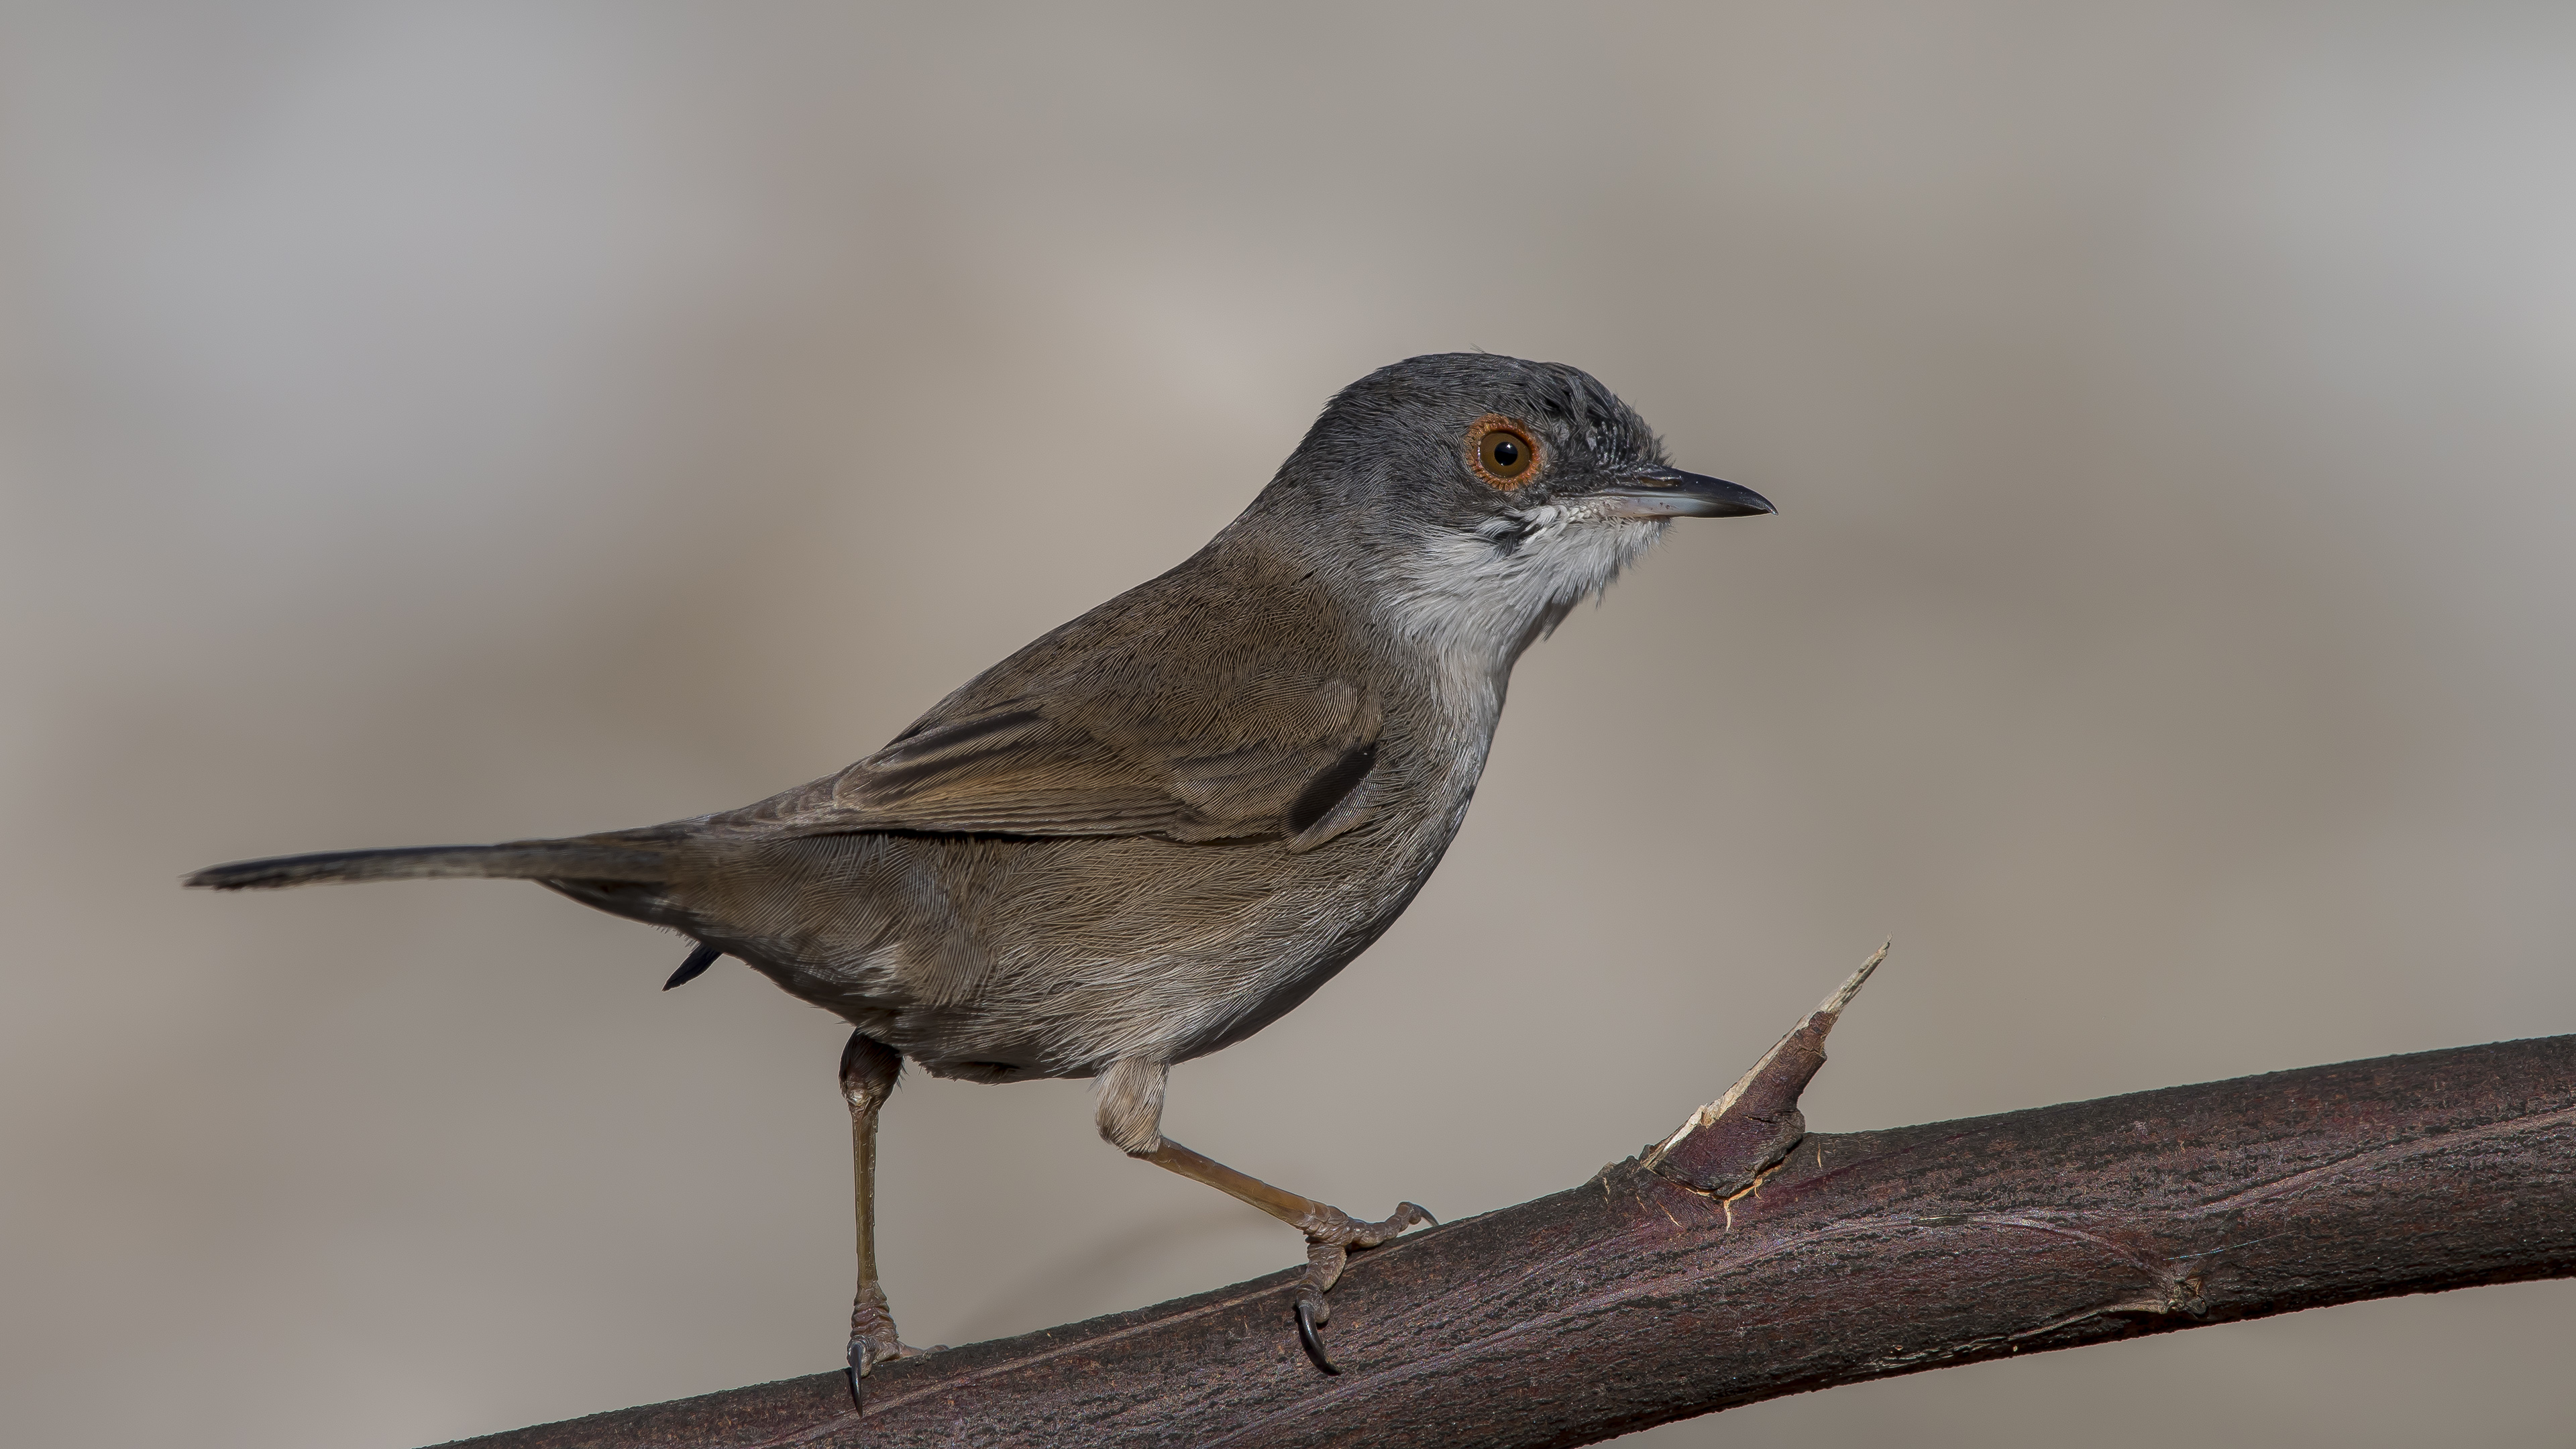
point(1714, 1271)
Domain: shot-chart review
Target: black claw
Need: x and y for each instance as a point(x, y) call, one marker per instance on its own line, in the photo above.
point(1309, 1340)
point(857, 1372)
point(693, 968)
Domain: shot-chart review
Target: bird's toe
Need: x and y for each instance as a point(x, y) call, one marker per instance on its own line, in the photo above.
point(1328, 1250)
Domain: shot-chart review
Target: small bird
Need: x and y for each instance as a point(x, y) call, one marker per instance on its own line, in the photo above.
point(1160, 827)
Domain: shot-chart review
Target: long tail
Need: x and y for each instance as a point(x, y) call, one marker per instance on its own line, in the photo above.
point(549, 860)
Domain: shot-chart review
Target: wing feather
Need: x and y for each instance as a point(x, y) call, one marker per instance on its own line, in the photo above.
point(1215, 703)
point(1018, 770)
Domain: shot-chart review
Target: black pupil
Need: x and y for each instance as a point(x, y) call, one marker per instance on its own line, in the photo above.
point(1506, 452)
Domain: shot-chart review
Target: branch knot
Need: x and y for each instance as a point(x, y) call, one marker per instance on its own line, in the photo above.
point(1728, 1145)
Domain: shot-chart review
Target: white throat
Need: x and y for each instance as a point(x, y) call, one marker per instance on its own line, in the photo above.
point(1473, 598)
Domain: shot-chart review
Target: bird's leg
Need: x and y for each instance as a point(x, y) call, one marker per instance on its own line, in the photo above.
point(868, 1072)
point(1130, 1114)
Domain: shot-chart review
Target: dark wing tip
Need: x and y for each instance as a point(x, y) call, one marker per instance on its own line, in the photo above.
point(693, 968)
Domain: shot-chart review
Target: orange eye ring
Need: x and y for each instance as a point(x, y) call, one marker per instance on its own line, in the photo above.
point(1501, 451)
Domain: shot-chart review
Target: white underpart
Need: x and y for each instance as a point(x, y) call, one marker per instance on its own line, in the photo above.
point(1471, 597)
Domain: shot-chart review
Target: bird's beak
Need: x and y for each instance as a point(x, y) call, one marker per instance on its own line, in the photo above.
point(1672, 493)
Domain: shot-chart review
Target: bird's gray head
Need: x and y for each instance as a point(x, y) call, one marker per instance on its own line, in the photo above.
point(1479, 498)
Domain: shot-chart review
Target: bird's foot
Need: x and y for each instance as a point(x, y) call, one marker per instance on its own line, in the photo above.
point(1329, 1242)
point(872, 1336)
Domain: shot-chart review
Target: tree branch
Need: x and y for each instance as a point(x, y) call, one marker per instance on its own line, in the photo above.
point(1742, 1259)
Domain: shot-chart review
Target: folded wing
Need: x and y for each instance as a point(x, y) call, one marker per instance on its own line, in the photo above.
point(1271, 763)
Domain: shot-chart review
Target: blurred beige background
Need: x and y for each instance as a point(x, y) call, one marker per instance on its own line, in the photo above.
point(460, 422)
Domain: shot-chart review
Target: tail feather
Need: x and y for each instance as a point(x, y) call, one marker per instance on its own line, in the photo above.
point(518, 860)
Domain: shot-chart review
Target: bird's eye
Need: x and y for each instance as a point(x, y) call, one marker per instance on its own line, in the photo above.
point(1503, 453)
